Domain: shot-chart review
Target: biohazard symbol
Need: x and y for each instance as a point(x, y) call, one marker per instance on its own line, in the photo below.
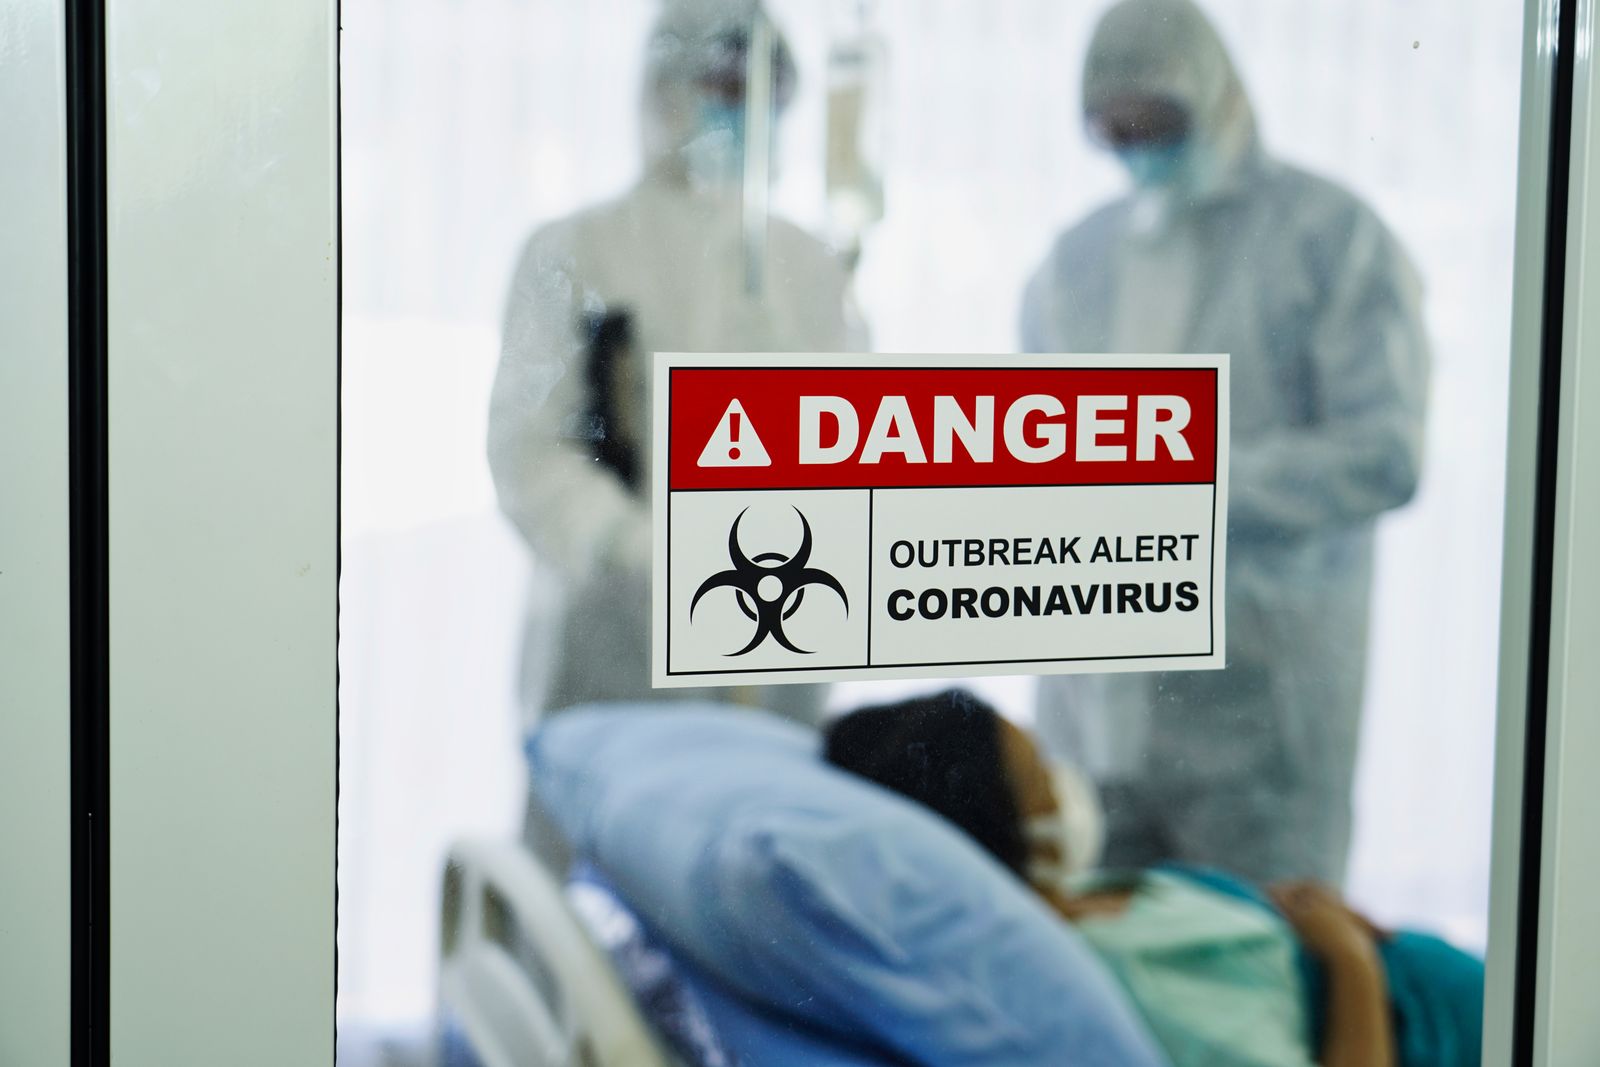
point(770, 587)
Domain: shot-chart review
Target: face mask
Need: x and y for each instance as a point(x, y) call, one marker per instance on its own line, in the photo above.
point(715, 153)
point(1153, 166)
point(1075, 831)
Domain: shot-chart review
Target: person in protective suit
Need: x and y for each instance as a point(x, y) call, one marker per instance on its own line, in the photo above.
point(593, 296)
point(1221, 248)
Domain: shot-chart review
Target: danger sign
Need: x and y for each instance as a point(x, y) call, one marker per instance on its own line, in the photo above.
point(831, 517)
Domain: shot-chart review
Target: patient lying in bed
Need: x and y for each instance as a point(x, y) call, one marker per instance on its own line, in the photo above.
point(1223, 972)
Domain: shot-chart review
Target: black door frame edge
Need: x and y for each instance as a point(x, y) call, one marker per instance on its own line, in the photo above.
point(1547, 459)
point(89, 529)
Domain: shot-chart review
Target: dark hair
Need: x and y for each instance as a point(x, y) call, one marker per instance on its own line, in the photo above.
point(943, 751)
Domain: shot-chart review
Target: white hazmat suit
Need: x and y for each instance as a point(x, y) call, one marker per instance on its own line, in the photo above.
point(1232, 251)
point(667, 255)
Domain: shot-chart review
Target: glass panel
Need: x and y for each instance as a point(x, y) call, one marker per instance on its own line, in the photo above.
point(538, 195)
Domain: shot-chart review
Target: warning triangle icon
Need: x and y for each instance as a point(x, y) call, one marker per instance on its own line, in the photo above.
point(734, 442)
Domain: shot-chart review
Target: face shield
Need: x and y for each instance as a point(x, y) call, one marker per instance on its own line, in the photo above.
point(1161, 92)
point(696, 93)
point(1149, 133)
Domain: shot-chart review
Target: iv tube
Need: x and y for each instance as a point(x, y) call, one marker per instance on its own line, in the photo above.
point(759, 102)
point(857, 76)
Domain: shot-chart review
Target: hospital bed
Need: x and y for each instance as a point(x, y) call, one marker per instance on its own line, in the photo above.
point(520, 983)
point(806, 918)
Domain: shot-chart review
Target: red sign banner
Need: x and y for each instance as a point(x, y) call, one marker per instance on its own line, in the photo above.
point(793, 428)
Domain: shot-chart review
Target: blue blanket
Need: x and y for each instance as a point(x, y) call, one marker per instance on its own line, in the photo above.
point(1435, 989)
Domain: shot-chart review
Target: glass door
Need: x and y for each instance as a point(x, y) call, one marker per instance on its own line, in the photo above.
point(1328, 195)
point(383, 289)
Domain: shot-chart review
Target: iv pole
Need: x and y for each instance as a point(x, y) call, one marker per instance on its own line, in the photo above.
point(758, 104)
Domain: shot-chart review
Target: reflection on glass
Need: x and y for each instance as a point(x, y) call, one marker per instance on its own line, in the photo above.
point(797, 910)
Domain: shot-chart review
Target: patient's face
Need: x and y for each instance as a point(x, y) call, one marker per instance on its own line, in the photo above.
point(1027, 772)
point(1029, 777)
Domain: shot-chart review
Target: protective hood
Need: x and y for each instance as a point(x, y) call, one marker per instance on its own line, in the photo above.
point(1169, 48)
point(694, 41)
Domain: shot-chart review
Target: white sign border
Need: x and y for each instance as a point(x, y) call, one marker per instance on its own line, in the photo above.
point(665, 362)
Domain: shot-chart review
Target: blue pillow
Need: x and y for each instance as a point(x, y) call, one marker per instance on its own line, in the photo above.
point(762, 1038)
point(704, 1024)
point(823, 898)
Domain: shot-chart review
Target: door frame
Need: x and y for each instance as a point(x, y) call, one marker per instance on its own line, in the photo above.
point(1544, 936)
point(220, 236)
point(209, 643)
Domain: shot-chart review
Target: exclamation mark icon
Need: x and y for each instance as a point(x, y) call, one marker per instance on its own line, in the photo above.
point(734, 442)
